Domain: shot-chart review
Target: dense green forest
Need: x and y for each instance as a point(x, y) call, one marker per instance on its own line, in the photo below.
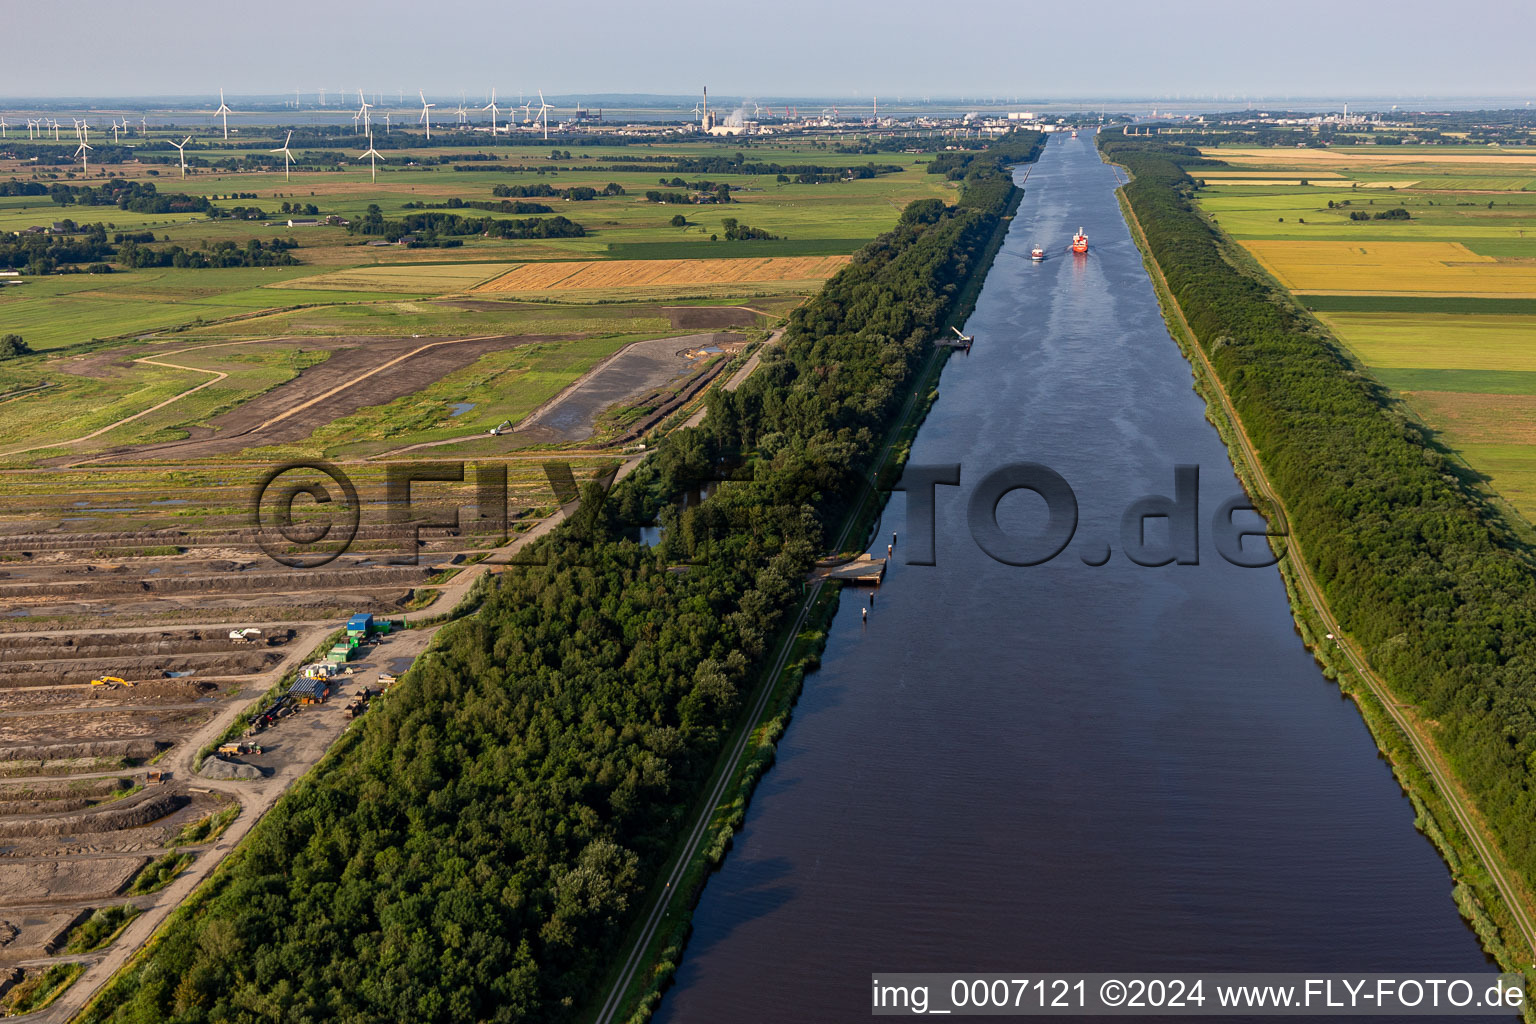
point(474, 849)
point(1440, 596)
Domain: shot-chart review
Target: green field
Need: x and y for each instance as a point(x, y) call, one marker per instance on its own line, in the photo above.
point(91, 330)
point(1417, 304)
point(1438, 340)
point(1487, 382)
point(1466, 364)
point(501, 386)
point(441, 317)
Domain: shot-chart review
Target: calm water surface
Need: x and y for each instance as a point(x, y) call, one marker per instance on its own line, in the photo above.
point(1066, 767)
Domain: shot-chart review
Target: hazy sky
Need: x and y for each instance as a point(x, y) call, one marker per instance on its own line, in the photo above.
point(1070, 48)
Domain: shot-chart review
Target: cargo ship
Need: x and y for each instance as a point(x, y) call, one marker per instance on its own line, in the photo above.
point(1079, 241)
point(1037, 254)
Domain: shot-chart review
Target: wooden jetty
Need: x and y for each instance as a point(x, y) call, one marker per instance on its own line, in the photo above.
point(960, 341)
point(866, 570)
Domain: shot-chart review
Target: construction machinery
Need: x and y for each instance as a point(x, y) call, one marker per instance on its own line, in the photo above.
point(111, 682)
point(245, 636)
point(239, 748)
point(503, 425)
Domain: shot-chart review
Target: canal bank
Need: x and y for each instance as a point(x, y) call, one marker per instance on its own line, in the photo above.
point(1065, 766)
point(1488, 891)
point(657, 940)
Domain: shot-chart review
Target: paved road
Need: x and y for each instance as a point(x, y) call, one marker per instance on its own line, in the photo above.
point(1423, 746)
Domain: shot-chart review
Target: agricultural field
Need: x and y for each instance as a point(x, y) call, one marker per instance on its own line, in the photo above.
point(1423, 263)
point(150, 401)
point(783, 273)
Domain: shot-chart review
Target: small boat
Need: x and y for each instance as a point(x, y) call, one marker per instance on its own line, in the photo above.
point(1079, 241)
point(1037, 254)
point(1074, 133)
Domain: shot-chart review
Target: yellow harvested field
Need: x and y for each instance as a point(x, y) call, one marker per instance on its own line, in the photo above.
point(1308, 174)
point(1340, 183)
point(1478, 418)
point(1325, 183)
point(1397, 268)
point(602, 274)
point(1363, 156)
point(435, 280)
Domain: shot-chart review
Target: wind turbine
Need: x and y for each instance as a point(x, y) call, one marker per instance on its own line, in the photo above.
point(143, 126)
point(3, 127)
point(55, 129)
point(697, 112)
point(544, 109)
point(115, 128)
point(85, 147)
point(491, 106)
point(426, 112)
point(373, 156)
point(528, 113)
point(461, 113)
point(31, 128)
point(181, 147)
point(287, 156)
point(223, 112)
point(363, 113)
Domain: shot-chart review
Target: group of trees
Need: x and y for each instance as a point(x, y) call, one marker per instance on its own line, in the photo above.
point(738, 164)
point(735, 231)
point(701, 185)
point(428, 227)
point(11, 346)
point(576, 193)
point(78, 247)
point(1437, 592)
point(132, 196)
point(503, 206)
point(253, 253)
point(47, 252)
point(476, 846)
point(721, 194)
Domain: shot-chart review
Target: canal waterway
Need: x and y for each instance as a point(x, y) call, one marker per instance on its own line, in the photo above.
point(1065, 766)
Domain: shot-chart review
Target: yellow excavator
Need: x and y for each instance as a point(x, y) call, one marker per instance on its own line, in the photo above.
point(112, 681)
